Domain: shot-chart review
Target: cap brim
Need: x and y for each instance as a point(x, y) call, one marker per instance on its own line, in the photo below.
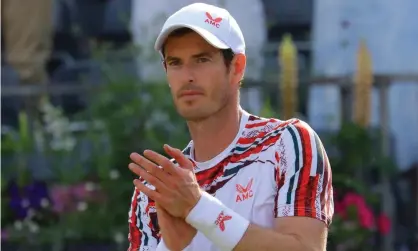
point(207, 35)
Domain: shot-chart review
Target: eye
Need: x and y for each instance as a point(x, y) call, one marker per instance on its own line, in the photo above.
point(173, 62)
point(202, 60)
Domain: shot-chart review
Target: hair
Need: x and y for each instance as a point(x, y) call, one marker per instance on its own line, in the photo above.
point(227, 54)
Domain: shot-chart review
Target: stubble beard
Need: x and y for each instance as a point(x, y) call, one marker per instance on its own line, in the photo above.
point(203, 113)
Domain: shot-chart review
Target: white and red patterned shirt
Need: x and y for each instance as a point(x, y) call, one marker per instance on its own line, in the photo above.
point(272, 169)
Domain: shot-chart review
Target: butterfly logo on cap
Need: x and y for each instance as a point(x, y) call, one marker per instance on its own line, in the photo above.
point(213, 21)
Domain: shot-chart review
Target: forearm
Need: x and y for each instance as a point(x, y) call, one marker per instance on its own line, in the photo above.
point(163, 247)
point(228, 230)
point(258, 238)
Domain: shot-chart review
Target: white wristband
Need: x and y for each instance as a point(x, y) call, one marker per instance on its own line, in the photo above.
point(217, 222)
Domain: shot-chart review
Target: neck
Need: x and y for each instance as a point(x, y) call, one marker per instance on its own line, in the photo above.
point(212, 135)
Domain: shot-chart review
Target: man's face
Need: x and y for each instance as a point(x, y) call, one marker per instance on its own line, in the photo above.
point(200, 82)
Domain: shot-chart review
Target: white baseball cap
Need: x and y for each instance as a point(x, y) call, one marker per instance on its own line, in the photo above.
point(214, 24)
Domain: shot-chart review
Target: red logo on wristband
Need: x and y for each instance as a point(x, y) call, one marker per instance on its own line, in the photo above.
point(220, 221)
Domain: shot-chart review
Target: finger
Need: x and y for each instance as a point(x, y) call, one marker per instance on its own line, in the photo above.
point(151, 167)
point(178, 155)
point(152, 194)
point(158, 184)
point(161, 160)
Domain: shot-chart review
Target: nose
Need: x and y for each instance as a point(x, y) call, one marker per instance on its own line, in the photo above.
point(189, 74)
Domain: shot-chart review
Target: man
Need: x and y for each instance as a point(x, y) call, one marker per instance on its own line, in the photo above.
point(243, 182)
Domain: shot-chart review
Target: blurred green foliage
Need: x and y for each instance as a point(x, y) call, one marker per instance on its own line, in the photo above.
point(124, 116)
point(358, 166)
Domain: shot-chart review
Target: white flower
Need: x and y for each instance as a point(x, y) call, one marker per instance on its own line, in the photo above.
point(66, 144)
point(25, 203)
point(58, 126)
point(33, 227)
point(118, 237)
point(44, 202)
point(89, 186)
point(114, 174)
point(30, 214)
point(82, 206)
point(18, 225)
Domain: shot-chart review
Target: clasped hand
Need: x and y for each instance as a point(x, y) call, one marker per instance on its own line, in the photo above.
point(176, 188)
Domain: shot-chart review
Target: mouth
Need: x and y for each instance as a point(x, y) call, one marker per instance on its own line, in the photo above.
point(190, 93)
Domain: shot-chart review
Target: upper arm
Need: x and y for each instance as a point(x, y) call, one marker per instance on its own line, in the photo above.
point(304, 184)
point(311, 232)
point(143, 225)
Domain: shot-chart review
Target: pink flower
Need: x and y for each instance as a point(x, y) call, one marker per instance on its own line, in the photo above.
point(383, 224)
point(353, 199)
point(80, 192)
point(65, 198)
point(366, 217)
point(60, 198)
point(4, 235)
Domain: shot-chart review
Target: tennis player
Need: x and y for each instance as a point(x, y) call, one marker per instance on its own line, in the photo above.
point(243, 182)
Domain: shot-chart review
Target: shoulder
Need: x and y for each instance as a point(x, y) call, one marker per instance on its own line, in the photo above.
point(295, 131)
point(271, 127)
point(300, 148)
point(258, 126)
point(293, 137)
point(299, 137)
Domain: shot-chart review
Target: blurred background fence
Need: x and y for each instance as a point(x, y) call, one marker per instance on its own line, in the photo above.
point(67, 133)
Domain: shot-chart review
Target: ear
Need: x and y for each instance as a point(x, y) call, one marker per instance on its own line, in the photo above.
point(238, 65)
point(164, 65)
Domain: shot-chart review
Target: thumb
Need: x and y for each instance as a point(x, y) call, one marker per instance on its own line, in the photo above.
point(181, 159)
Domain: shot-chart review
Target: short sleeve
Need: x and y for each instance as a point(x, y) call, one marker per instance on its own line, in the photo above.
point(303, 175)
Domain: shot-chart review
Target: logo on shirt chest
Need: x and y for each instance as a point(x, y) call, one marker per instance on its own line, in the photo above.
point(244, 193)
